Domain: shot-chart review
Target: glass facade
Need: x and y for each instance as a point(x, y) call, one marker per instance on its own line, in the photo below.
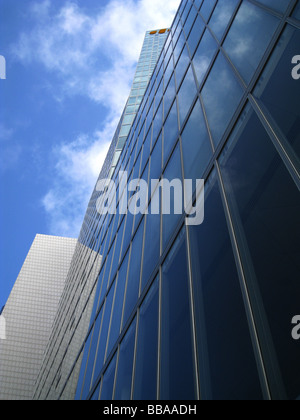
point(185, 312)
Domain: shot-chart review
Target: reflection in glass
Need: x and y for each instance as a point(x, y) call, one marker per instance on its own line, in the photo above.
point(170, 132)
point(177, 366)
point(204, 55)
point(147, 347)
point(172, 174)
point(182, 65)
point(125, 365)
point(196, 146)
point(278, 5)
point(221, 95)
point(118, 305)
point(134, 273)
point(186, 94)
point(246, 46)
point(91, 360)
point(227, 366)
point(266, 206)
point(222, 15)
point(297, 12)
point(152, 236)
point(279, 92)
point(206, 8)
point(108, 381)
point(104, 331)
point(195, 34)
point(169, 95)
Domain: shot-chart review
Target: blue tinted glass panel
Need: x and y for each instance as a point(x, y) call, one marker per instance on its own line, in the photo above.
point(204, 55)
point(104, 331)
point(189, 22)
point(279, 91)
point(83, 366)
point(91, 360)
point(118, 305)
point(266, 204)
point(227, 365)
point(221, 95)
point(152, 236)
point(182, 65)
point(157, 124)
point(196, 146)
point(169, 95)
point(297, 12)
point(206, 8)
point(186, 94)
point(125, 365)
point(171, 131)
point(95, 395)
point(133, 283)
point(171, 196)
point(177, 367)
point(108, 381)
point(156, 160)
point(221, 16)
point(278, 5)
point(147, 347)
point(195, 35)
point(246, 46)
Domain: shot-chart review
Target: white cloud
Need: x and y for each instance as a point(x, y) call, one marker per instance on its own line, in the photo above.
point(93, 55)
point(75, 175)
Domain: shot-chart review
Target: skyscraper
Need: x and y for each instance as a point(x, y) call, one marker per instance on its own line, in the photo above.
point(189, 312)
point(59, 373)
point(30, 312)
point(154, 308)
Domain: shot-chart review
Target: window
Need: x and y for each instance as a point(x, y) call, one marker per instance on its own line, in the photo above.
point(108, 381)
point(221, 95)
point(266, 204)
point(118, 305)
point(171, 131)
point(152, 236)
point(172, 174)
point(104, 331)
point(195, 35)
point(227, 364)
point(204, 55)
point(222, 15)
point(186, 94)
point(206, 8)
point(279, 92)
point(278, 5)
point(196, 146)
point(246, 46)
point(147, 347)
point(125, 366)
point(182, 65)
point(169, 95)
point(177, 358)
point(134, 272)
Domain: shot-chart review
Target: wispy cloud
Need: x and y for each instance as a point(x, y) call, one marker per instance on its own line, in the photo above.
point(92, 55)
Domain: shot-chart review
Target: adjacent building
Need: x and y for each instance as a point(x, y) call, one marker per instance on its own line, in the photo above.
point(29, 314)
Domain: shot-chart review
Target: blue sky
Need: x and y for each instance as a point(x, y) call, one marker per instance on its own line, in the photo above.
point(70, 65)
